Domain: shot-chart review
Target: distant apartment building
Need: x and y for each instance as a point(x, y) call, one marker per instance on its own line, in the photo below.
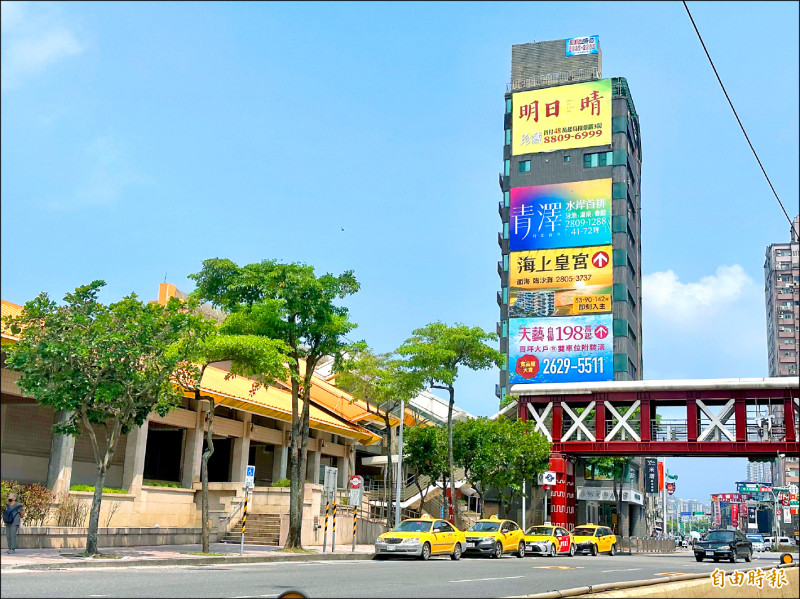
point(759, 472)
point(782, 295)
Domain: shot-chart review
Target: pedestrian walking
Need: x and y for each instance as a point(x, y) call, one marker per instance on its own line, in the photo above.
point(12, 518)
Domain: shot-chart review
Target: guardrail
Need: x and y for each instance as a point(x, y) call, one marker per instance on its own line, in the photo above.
point(645, 545)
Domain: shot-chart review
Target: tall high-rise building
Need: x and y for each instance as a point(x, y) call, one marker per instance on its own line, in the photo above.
point(570, 269)
point(782, 292)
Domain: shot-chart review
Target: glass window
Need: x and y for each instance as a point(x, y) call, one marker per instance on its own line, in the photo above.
point(505, 295)
point(508, 137)
point(525, 166)
point(566, 158)
point(587, 161)
point(505, 262)
point(508, 105)
point(484, 527)
point(506, 198)
point(505, 230)
point(413, 526)
point(544, 531)
point(507, 168)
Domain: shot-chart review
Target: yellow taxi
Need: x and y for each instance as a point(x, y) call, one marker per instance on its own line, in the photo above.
point(494, 537)
point(422, 538)
point(594, 539)
point(550, 540)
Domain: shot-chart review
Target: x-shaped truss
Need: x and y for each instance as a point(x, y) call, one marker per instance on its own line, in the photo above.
point(622, 421)
point(718, 420)
point(578, 422)
point(539, 419)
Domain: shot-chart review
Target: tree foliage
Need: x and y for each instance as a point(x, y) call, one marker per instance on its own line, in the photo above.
point(104, 367)
point(612, 467)
point(425, 454)
point(435, 353)
point(286, 302)
point(381, 382)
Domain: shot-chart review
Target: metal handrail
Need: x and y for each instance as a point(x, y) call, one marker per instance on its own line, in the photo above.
point(227, 518)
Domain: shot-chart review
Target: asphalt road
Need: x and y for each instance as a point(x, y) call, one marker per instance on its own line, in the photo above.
point(439, 577)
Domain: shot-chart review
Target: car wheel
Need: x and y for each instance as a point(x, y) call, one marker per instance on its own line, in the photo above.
point(498, 551)
point(593, 550)
point(551, 552)
point(572, 550)
point(733, 558)
point(379, 557)
point(749, 556)
point(521, 549)
point(613, 549)
point(716, 560)
point(456, 553)
point(426, 552)
point(699, 558)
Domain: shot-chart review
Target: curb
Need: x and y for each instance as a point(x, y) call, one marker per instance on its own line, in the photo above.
point(630, 584)
point(195, 561)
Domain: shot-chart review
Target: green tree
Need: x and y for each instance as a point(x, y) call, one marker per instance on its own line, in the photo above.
point(425, 454)
point(105, 367)
point(523, 454)
point(260, 358)
point(286, 302)
point(477, 448)
point(382, 384)
point(612, 467)
point(435, 352)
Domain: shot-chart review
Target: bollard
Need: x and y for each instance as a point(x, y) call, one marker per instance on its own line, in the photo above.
point(355, 511)
point(333, 535)
point(244, 522)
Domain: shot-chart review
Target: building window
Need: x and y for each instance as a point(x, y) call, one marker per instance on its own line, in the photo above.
point(506, 198)
point(507, 168)
point(566, 158)
point(508, 105)
point(508, 137)
point(505, 262)
point(598, 159)
point(505, 295)
point(525, 166)
point(505, 230)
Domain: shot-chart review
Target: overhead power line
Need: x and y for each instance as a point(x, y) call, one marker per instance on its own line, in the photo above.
point(738, 120)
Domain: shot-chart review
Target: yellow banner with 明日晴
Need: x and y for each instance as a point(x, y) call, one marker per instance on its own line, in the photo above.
point(557, 118)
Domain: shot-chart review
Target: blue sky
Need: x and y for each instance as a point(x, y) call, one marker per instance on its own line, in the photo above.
point(140, 138)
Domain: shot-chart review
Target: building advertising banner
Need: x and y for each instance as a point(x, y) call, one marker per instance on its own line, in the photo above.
point(560, 282)
point(561, 117)
point(651, 475)
point(562, 215)
point(561, 349)
point(589, 44)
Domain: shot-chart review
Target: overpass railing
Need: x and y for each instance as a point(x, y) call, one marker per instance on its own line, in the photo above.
point(645, 545)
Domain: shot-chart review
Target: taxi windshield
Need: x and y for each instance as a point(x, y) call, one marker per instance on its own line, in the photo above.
point(756, 538)
point(545, 531)
point(584, 532)
point(413, 526)
point(485, 527)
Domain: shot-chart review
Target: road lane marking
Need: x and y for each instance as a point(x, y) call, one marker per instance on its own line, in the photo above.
point(482, 579)
point(670, 573)
point(621, 570)
point(559, 567)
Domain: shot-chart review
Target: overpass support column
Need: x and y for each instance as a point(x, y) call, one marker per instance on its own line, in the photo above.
point(563, 501)
point(691, 420)
point(740, 413)
point(788, 418)
point(645, 425)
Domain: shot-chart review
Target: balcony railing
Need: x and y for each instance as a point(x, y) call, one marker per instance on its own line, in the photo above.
point(554, 79)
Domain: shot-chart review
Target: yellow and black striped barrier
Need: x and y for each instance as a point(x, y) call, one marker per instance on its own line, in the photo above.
point(355, 513)
point(244, 523)
point(333, 534)
point(325, 533)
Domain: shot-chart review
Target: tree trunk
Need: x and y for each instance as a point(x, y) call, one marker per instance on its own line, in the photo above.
point(450, 457)
point(480, 497)
point(389, 472)
point(204, 474)
point(299, 465)
point(618, 496)
point(94, 514)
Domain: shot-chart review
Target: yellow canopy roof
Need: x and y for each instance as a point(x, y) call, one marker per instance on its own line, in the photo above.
point(9, 309)
point(237, 392)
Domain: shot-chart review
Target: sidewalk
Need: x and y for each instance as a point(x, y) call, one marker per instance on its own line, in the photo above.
point(170, 555)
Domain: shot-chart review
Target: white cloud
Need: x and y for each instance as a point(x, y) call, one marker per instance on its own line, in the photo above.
point(664, 296)
point(712, 327)
point(33, 38)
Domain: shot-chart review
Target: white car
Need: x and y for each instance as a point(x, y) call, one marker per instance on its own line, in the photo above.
point(758, 542)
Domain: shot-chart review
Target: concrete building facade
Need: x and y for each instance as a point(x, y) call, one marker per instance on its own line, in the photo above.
point(782, 297)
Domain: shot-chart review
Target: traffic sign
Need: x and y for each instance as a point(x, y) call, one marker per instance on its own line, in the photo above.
point(250, 477)
point(547, 478)
point(330, 476)
point(600, 259)
point(356, 481)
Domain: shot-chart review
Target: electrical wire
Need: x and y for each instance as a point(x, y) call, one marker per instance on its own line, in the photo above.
point(738, 120)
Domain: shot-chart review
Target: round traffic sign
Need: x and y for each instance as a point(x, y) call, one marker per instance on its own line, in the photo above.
point(356, 481)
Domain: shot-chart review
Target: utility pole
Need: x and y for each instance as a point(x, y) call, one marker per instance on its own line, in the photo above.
point(399, 465)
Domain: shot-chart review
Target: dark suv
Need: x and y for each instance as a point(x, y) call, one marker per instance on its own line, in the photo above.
point(724, 544)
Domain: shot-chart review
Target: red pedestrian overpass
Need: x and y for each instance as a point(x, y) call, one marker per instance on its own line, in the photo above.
point(752, 418)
